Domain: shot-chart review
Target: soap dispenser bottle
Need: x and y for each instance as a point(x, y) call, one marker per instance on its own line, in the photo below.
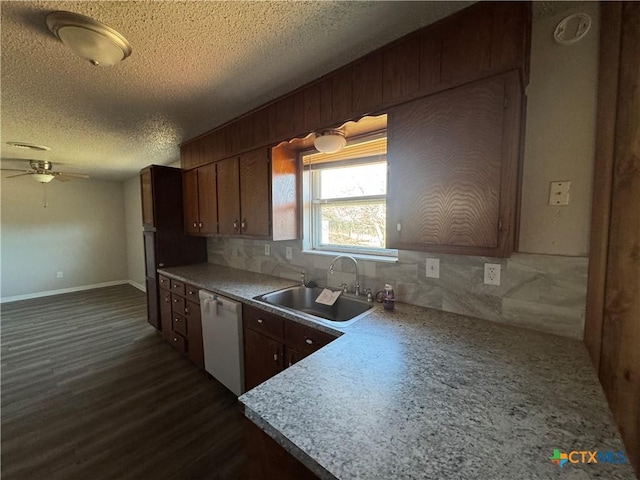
point(388, 297)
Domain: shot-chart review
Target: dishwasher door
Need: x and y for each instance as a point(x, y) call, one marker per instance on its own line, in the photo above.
point(222, 340)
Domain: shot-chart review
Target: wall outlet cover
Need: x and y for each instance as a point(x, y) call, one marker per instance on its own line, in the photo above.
point(267, 249)
point(289, 253)
point(492, 274)
point(433, 268)
point(559, 193)
point(59, 274)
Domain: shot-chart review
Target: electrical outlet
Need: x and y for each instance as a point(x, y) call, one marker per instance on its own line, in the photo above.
point(59, 274)
point(267, 249)
point(433, 267)
point(492, 274)
point(289, 253)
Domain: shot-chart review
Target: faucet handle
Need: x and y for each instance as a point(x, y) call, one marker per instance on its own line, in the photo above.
point(303, 277)
point(344, 287)
point(369, 293)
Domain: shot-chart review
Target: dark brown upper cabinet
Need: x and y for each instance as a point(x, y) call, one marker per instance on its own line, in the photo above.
point(161, 198)
point(200, 200)
point(453, 168)
point(254, 193)
point(228, 197)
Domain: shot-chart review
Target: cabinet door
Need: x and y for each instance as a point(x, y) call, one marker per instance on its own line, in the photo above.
point(165, 313)
point(146, 191)
point(263, 358)
point(453, 170)
point(195, 350)
point(207, 200)
point(228, 197)
point(153, 312)
point(292, 356)
point(190, 201)
point(254, 192)
point(150, 254)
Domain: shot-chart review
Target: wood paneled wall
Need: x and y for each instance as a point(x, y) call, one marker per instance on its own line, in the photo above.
point(485, 39)
point(612, 330)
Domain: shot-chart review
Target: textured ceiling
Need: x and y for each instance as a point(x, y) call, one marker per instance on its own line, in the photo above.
point(194, 66)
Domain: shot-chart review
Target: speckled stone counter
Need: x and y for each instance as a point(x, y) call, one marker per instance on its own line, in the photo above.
point(423, 394)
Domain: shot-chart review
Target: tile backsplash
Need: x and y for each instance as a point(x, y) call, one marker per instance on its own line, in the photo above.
point(541, 292)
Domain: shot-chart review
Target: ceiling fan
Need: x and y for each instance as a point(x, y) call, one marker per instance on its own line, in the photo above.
point(42, 171)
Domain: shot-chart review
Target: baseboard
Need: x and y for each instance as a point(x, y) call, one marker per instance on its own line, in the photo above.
point(137, 285)
point(48, 293)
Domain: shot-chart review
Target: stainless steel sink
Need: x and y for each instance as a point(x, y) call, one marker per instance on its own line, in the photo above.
point(344, 311)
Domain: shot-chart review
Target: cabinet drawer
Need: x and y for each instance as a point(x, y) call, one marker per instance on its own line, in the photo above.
point(177, 287)
point(191, 293)
point(262, 322)
point(305, 339)
point(177, 303)
point(164, 282)
point(179, 324)
point(178, 342)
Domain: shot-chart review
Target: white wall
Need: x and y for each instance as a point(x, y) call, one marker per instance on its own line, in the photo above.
point(80, 233)
point(133, 233)
point(560, 138)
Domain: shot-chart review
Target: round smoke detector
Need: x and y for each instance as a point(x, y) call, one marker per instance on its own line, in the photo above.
point(572, 29)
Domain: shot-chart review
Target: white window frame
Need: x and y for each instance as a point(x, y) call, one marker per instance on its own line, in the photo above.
point(312, 231)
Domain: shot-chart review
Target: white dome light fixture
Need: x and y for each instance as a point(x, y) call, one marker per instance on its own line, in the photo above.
point(330, 141)
point(88, 38)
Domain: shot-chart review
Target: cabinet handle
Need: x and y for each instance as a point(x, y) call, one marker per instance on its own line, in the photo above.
point(244, 224)
point(175, 300)
point(309, 341)
point(235, 225)
point(186, 311)
point(161, 265)
point(260, 320)
point(290, 363)
point(275, 356)
point(190, 292)
point(175, 339)
point(177, 320)
point(195, 225)
point(166, 300)
point(200, 225)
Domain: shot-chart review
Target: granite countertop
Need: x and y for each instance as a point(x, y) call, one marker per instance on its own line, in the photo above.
point(423, 394)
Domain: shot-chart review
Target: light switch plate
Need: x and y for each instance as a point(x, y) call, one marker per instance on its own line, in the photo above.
point(267, 249)
point(59, 274)
point(289, 253)
point(433, 268)
point(559, 193)
point(492, 274)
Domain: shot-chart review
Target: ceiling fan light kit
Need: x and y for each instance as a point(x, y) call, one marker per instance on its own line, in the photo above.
point(42, 177)
point(88, 38)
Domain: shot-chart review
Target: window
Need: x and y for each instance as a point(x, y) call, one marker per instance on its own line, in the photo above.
point(345, 198)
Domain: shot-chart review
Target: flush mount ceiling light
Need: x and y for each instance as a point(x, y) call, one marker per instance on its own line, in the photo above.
point(330, 141)
point(29, 146)
point(88, 38)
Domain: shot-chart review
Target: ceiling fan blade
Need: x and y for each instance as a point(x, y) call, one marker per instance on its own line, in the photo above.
point(62, 178)
point(15, 170)
point(19, 175)
point(71, 175)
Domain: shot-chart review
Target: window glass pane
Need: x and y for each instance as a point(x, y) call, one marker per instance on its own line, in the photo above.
point(353, 181)
point(360, 225)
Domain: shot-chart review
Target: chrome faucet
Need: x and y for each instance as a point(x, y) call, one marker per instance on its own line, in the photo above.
point(355, 264)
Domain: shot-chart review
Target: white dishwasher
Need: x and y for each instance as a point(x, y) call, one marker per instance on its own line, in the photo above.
point(222, 340)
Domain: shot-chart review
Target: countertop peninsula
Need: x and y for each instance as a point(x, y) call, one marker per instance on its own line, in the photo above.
point(422, 394)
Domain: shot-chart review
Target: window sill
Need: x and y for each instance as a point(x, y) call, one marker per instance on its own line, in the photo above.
point(357, 256)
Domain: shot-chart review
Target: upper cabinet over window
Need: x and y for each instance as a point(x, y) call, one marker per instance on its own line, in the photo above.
point(453, 169)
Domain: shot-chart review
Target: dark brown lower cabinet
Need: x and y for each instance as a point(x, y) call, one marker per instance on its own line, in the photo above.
point(268, 460)
point(273, 343)
point(181, 319)
point(263, 358)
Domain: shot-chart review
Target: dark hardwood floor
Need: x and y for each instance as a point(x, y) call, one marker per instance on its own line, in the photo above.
point(90, 391)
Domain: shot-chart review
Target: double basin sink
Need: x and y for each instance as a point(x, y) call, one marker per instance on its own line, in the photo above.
point(301, 299)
